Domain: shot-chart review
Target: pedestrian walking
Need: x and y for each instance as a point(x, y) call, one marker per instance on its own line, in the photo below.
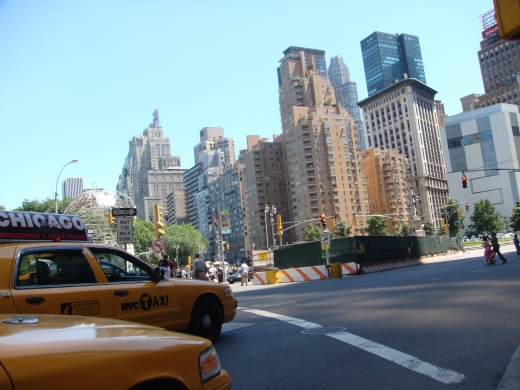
point(244, 273)
point(165, 268)
point(496, 247)
point(220, 274)
point(489, 254)
point(517, 246)
point(200, 268)
point(170, 264)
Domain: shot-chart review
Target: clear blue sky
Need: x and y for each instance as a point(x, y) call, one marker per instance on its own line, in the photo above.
point(79, 78)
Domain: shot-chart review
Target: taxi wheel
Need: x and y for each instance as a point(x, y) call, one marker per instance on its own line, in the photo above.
point(206, 319)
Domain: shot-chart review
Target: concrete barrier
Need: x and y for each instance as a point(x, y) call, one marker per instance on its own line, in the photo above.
point(304, 274)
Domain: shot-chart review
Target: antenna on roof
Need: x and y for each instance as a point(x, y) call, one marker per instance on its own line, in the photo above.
point(156, 120)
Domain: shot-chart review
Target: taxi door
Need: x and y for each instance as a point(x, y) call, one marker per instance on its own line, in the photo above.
point(58, 280)
point(136, 295)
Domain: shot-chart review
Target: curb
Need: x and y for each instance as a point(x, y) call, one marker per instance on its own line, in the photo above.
point(511, 378)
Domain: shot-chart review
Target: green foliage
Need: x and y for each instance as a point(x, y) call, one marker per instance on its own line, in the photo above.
point(189, 240)
point(452, 212)
point(429, 228)
point(44, 206)
point(485, 219)
point(342, 230)
point(515, 220)
point(2, 207)
point(144, 235)
point(312, 233)
point(376, 226)
point(405, 230)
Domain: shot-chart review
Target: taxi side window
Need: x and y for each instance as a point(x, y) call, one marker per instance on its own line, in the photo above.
point(53, 268)
point(120, 267)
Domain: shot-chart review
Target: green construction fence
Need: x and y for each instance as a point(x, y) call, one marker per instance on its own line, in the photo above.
point(362, 249)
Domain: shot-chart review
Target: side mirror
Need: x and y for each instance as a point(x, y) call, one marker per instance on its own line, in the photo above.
point(158, 273)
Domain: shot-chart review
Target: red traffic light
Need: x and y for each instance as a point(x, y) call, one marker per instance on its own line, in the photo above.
point(464, 182)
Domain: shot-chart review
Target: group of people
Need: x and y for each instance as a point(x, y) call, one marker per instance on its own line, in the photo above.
point(492, 248)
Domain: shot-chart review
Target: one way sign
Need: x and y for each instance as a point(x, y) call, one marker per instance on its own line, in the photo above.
point(124, 212)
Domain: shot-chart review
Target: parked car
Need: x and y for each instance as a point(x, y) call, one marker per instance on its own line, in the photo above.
point(73, 352)
point(49, 266)
point(236, 277)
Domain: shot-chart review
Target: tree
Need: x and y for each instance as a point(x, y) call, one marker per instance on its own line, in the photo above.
point(312, 233)
point(144, 235)
point(515, 220)
point(44, 206)
point(485, 219)
point(429, 228)
point(342, 230)
point(376, 226)
point(189, 240)
point(452, 213)
point(405, 229)
point(2, 207)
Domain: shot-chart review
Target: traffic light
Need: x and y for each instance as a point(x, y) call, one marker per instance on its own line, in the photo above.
point(467, 207)
point(355, 221)
point(507, 15)
point(323, 221)
point(158, 221)
point(518, 205)
point(111, 220)
point(464, 181)
point(279, 222)
point(460, 212)
point(333, 223)
point(227, 246)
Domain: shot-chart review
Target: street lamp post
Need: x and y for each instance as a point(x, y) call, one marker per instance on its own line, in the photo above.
point(272, 212)
point(56, 190)
point(176, 247)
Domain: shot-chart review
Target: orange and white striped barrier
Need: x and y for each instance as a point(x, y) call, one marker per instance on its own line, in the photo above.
point(303, 274)
point(259, 278)
point(389, 266)
point(349, 268)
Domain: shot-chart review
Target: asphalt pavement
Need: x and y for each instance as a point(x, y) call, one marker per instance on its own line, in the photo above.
point(511, 378)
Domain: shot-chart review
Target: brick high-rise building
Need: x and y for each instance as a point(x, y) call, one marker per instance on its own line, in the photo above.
point(321, 145)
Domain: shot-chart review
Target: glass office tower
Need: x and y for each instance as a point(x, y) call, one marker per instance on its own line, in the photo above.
point(389, 57)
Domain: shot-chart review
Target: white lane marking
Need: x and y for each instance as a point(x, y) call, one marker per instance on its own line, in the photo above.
point(407, 361)
point(228, 327)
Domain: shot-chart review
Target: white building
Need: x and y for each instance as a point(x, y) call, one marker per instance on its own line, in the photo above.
point(485, 145)
point(72, 187)
point(404, 117)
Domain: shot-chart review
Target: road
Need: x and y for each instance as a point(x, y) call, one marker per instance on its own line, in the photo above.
point(451, 324)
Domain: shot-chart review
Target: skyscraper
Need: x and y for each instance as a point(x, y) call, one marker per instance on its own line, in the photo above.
point(72, 187)
point(313, 57)
point(388, 57)
point(320, 145)
point(404, 117)
point(150, 172)
point(346, 93)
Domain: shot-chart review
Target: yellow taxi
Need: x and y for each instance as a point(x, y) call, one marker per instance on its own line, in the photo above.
point(48, 265)
point(72, 352)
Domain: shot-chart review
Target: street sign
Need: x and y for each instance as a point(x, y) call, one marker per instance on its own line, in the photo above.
point(124, 212)
point(158, 246)
point(325, 238)
point(125, 230)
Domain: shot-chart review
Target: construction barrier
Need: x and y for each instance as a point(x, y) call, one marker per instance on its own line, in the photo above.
point(303, 274)
point(336, 270)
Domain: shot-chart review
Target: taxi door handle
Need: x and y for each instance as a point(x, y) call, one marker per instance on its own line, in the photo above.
point(34, 300)
point(121, 292)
